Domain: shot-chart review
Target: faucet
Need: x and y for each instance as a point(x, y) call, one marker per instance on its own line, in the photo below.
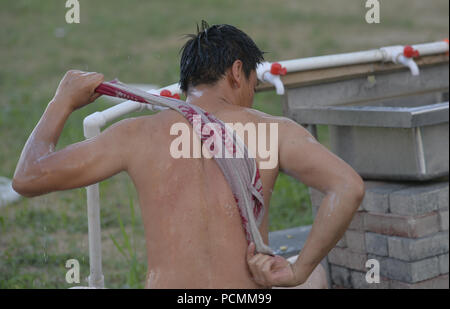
point(402, 55)
point(271, 73)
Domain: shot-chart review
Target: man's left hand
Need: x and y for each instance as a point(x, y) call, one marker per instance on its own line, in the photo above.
point(269, 270)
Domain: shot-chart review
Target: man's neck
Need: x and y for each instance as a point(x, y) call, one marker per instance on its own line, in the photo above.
point(212, 96)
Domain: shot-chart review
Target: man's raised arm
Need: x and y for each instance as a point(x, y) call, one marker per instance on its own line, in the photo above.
point(41, 169)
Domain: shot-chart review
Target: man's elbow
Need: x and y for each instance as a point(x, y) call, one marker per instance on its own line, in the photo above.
point(353, 189)
point(358, 190)
point(24, 187)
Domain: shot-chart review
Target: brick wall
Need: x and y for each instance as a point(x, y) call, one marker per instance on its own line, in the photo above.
point(404, 226)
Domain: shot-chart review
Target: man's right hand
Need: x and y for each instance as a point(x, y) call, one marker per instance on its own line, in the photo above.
point(77, 88)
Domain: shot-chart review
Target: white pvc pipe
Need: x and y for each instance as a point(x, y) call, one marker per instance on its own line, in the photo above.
point(276, 81)
point(374, 55)
point(327, 61)
point(117, 111)
point(7, 193)
point(431, 48)
point(96, 278)
point(174, 88)
point(408, 62)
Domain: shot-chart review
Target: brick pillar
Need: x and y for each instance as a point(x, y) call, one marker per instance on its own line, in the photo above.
point(404, 226)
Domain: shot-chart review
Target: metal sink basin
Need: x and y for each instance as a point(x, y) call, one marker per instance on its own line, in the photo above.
point(384, 122)
point(389, 142)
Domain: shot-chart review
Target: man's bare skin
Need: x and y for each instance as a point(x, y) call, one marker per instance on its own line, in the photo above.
point(193, 230)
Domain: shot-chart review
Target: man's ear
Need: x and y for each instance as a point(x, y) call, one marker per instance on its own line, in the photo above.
point(236, 74)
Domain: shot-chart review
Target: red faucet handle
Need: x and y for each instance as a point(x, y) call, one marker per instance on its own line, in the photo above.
point(410, 52)
point(167, 93)
point(277, 69)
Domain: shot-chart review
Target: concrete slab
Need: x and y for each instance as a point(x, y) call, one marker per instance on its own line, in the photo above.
point(290, 241)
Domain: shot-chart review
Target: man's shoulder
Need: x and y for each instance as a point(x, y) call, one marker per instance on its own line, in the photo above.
point(287, 128)
point(136, 126)
point(260, 116)
point(158, 119)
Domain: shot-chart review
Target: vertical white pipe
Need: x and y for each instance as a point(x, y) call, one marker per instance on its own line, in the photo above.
point(96, 278)
point(92, 126)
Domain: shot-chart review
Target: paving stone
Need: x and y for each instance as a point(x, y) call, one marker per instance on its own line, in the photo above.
point(443, 197)
point(409, 249)
point(347, 258)
point(404, 226)
point(409, 272)
point(357, 222)
point(443, 263)
point(377, 195)
point(340, 276)
point(358, 280)
point(377, 244)
point(443, 220)
point(415, 199)
point(440, 282)
point(355, 241)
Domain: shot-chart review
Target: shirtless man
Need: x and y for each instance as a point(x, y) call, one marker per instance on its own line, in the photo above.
point(194, 236)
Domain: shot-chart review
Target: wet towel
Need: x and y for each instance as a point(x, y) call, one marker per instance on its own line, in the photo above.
point(227, 148)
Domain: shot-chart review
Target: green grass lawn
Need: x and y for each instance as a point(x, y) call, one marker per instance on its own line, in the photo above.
point(139, 42)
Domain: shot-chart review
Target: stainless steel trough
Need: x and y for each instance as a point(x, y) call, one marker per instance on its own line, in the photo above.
point(384, 122)
point(388, 142)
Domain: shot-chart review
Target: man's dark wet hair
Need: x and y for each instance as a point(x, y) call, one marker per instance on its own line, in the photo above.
point(208, 54)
